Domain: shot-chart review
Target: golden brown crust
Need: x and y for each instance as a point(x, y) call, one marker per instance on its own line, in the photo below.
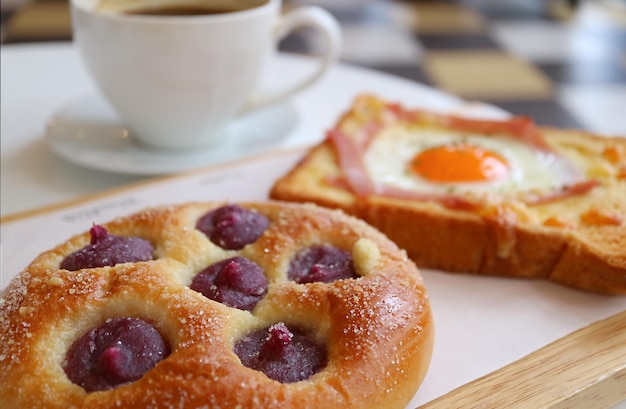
point(578, 241)
point(378, 328)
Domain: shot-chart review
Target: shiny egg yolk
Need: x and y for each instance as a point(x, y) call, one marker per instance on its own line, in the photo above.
point(459, 163)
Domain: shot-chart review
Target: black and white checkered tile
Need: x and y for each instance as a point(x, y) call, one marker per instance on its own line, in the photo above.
point(562, 65)
point(563, 69)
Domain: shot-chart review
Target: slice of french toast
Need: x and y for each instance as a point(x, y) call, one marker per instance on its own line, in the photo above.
point(493, 197)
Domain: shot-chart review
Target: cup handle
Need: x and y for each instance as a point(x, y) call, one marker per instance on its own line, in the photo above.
point(324, 24)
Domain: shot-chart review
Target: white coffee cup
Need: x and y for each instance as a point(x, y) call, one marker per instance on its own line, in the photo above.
point(176, 80)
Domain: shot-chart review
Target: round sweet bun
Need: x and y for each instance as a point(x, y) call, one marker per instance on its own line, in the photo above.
point(377, 328)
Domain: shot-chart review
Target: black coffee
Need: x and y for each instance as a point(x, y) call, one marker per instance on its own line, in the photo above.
point(178, 11)
point(219, 7)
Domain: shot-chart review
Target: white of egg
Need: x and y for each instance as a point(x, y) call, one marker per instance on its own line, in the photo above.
point(530, 170)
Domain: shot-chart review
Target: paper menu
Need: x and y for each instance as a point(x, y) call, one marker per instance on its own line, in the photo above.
point(481, 323)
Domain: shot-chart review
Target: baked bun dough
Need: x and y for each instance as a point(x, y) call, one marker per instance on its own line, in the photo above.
point(572, 232)
point(375, 331)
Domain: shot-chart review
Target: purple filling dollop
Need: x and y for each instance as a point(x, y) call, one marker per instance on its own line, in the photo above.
point(232, 227)
point(236, 282)
point(321, 264)
point(117, 352)
point(284, 355)
point(108, 250)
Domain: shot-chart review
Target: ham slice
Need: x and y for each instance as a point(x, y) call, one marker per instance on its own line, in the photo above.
point(350, 157)
point(576, 189)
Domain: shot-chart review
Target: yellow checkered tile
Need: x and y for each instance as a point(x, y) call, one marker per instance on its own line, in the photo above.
point(41, 20)
point(444, 18)
point(486, 75)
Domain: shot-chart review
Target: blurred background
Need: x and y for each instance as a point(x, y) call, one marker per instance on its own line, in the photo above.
point(561, 62)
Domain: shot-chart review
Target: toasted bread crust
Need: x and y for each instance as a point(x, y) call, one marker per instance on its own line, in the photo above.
point(377, 328)
point(578, 240)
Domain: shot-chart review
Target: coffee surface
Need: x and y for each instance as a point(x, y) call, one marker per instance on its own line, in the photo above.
point(178, 8)
point(179, 11)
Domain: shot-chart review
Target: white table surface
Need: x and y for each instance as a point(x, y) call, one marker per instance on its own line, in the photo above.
point(38, 79)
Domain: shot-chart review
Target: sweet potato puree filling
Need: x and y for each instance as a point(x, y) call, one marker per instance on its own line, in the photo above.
point(283, 354)
point(321, 264)
point(236, 282)
point(107, 249)
point(232, 227)
point(119, 351)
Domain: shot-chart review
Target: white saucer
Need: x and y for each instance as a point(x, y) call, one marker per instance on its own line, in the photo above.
point(87, 132)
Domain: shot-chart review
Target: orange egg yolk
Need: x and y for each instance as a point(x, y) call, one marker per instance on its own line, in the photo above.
point(459, 163)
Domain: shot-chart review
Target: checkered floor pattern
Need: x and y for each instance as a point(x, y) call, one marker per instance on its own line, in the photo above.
point(561, 62)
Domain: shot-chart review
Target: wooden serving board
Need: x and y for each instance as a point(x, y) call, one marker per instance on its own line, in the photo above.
point(583, 370)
